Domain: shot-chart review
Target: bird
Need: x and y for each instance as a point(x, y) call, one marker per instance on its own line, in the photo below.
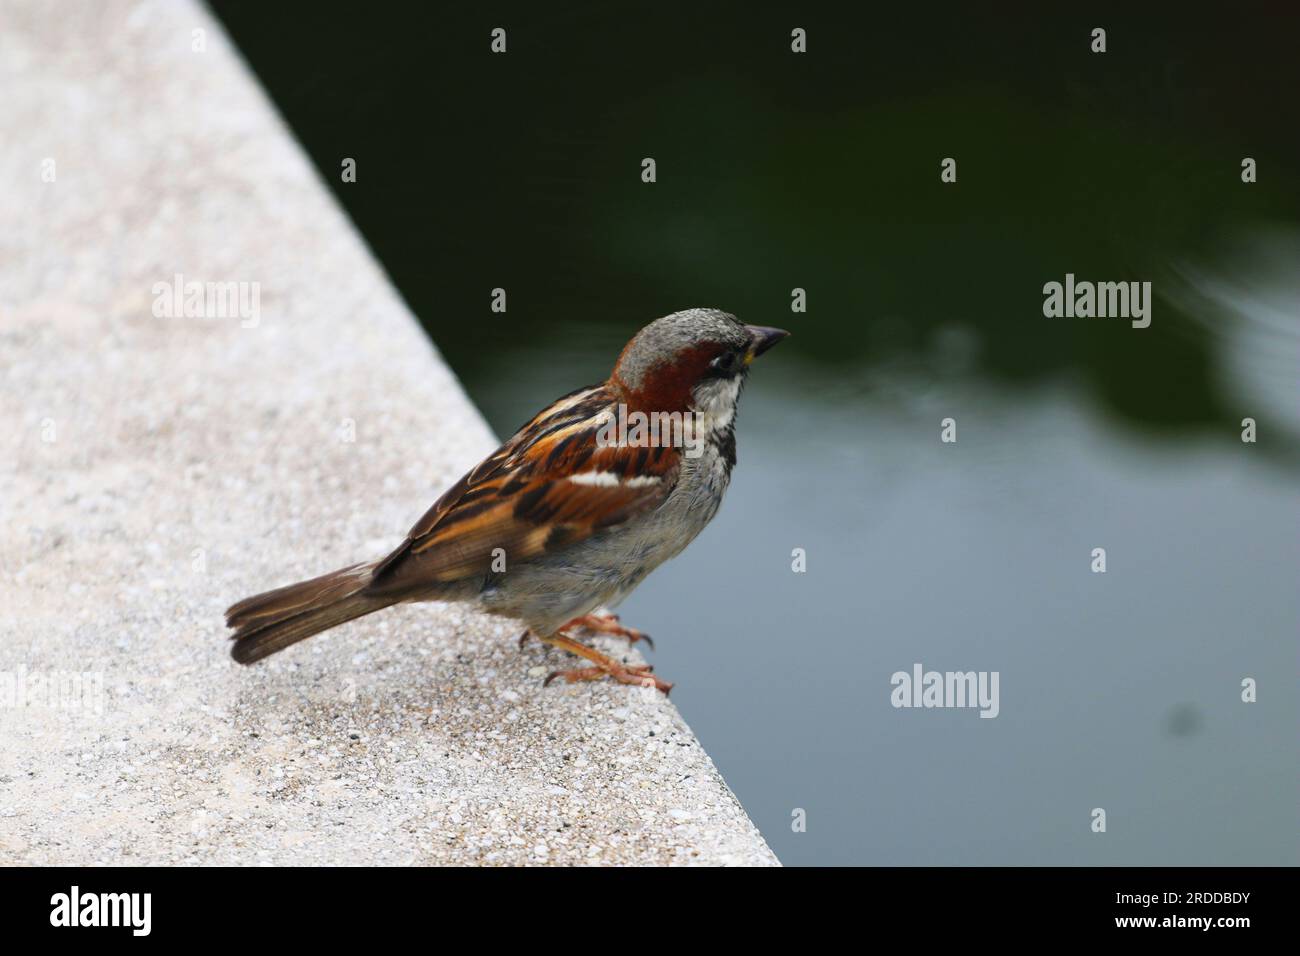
point(569, 515)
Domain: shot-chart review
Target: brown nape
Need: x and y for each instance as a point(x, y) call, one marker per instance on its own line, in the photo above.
point(666, 386)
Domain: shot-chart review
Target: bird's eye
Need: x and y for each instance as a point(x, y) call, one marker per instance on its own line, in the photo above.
point(725, 363)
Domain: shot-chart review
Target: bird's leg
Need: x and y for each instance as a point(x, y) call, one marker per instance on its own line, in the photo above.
point(608, 624)
point(639, 674)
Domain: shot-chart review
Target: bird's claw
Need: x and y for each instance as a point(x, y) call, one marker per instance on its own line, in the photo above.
point(608, 624)
point(638, 674)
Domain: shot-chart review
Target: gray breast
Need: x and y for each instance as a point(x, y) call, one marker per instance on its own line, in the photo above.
point(549, 591)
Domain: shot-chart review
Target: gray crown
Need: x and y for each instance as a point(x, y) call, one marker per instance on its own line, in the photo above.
point(664, 338)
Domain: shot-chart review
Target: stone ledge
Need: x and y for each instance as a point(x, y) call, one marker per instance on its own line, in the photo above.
point(154, 469)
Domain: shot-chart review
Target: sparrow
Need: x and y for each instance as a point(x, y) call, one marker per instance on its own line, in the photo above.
point(569, 515)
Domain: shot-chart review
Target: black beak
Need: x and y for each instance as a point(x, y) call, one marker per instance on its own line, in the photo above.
point(762, 338)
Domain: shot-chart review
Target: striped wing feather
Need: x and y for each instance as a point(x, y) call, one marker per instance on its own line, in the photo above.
point(550, 485)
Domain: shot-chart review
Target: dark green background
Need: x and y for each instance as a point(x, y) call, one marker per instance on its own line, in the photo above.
point(821, 171)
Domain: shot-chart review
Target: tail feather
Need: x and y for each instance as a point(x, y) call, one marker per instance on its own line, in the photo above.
point(270, 622)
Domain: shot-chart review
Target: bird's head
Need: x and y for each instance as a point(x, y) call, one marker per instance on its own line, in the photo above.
point(696, 360)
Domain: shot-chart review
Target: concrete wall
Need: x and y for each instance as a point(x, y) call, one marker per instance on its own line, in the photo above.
point(153, 469)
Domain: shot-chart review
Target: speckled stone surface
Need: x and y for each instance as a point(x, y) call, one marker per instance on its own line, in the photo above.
point(153, 470)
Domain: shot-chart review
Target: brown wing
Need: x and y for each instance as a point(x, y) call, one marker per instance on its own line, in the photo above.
point(548, 486)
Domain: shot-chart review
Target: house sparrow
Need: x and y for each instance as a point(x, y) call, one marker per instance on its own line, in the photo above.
point(569, 515)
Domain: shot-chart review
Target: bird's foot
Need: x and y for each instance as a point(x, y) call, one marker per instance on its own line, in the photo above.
point(608, 624)
point(639, 674)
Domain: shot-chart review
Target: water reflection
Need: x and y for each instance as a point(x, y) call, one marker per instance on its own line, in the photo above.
point(1120, 689)
point(976, 556)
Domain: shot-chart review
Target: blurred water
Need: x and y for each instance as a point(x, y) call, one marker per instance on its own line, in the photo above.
point(1118, 690)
